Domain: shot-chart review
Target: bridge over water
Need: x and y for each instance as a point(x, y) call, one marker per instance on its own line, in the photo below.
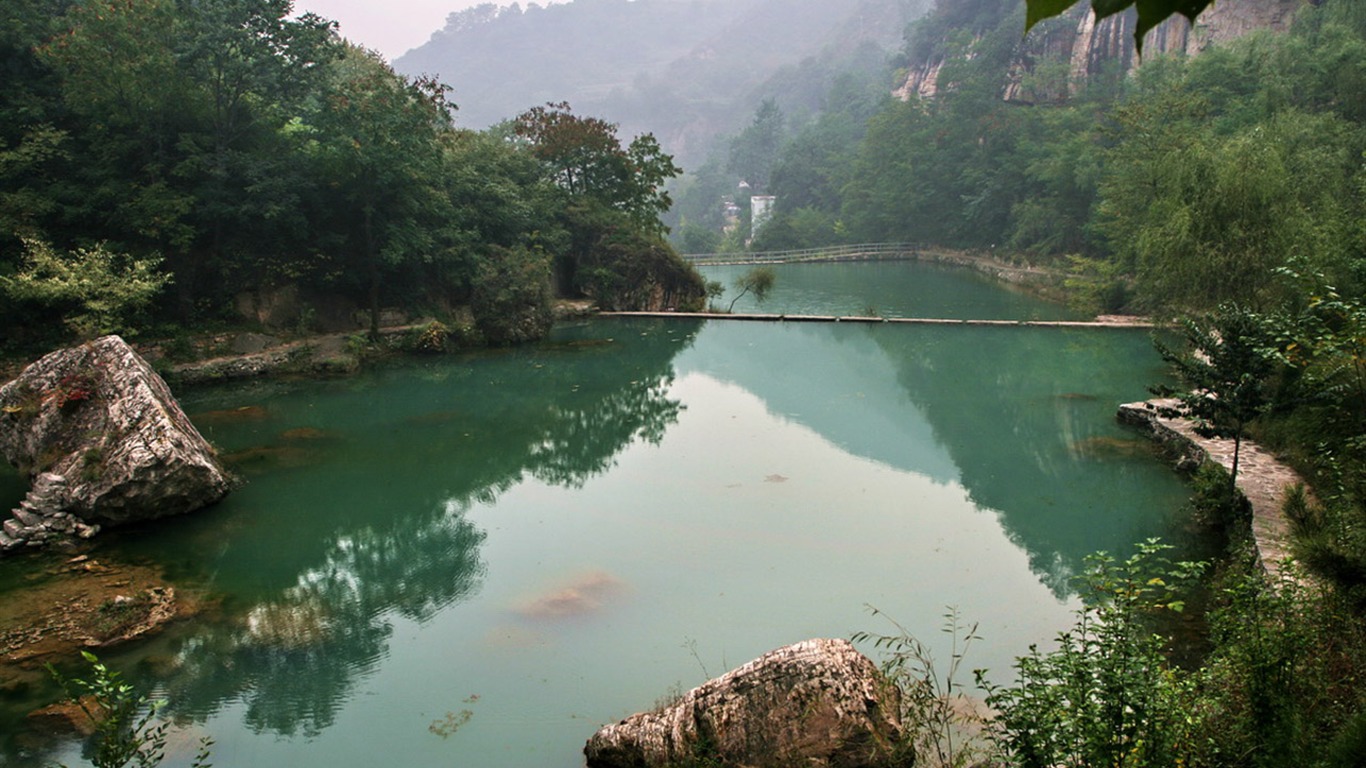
point(860, 252)
point(1109, 322)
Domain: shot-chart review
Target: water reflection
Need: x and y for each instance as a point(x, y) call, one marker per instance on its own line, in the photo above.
point(366, 547)
point(1015, 417)
point(319, 558)
point(293, 657)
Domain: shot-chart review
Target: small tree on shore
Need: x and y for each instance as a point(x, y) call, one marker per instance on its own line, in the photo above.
point(758, 281)
point(1228, 369)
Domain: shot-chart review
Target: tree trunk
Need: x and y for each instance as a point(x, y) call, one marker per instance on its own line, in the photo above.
point(372, 257)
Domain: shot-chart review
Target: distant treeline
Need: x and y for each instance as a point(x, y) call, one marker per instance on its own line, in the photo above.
point(223, 146)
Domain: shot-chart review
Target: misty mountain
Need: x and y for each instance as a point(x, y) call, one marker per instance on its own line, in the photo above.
point(685, 70)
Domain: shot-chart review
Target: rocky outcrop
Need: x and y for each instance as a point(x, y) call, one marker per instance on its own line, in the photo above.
point(39, 518)
point(815, 703)
point(105, 442)
point(1088, 47)
point(1112, 38)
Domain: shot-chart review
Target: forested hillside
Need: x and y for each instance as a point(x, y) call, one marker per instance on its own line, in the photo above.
point(1248, 154)
point(161, 160)
point(684, 70)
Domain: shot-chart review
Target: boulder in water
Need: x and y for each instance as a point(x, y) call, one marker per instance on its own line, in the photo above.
point(105, 443)
point(817, 703)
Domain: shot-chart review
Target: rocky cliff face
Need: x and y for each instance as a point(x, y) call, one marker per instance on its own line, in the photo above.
point(105, 443)
point(1088, 46)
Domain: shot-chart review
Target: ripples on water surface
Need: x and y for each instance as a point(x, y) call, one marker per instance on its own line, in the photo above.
point(478, 559)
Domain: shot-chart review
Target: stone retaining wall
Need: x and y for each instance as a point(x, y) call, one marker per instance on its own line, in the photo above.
point(1262, 478)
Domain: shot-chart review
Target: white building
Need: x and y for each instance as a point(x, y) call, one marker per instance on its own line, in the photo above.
point(760, 211)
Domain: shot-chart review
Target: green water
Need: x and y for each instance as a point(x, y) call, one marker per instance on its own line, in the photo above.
point(885, 289)
point(477, 560)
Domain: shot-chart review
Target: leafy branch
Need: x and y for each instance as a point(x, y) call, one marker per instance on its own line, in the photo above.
point(127, 731)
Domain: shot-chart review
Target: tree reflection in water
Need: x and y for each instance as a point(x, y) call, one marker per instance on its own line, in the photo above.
point(380, 539)
point(1011, 414)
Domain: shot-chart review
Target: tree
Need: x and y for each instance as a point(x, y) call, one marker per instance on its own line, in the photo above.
point(177, 113)
point(758, 281)
point(1150, 12)
point(511, 296)
point(755, 150)
point(383, 155)
point(1228, 370)
point(584, 157)
point(1205, 218)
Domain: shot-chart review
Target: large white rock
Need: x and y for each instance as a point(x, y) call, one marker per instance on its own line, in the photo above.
point(818, 703)
point(103, 439)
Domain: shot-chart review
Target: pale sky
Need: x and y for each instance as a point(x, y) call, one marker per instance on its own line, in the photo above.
point(392, 27)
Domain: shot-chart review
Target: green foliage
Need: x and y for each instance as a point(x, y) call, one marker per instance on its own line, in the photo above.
point(99, 291)
point(385, 159)
point(1228, 368)
point(935, 711)
point(1106, 696)
point(1182, 186)
point(584, 157)
point(758, 281)
point(1219, 212)
point(1216, 504)
point(251, 148)
point(695, 238)
point(632, 270)
point(1283, 684)
point(511, 296)
point(127, 731)
point(1095, 285)
point(754, 151)
point(431, 338)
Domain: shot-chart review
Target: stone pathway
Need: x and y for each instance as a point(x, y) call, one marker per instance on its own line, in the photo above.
point(1262, 478)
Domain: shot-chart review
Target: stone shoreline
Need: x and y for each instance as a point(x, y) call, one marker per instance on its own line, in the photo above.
point(1262, 478)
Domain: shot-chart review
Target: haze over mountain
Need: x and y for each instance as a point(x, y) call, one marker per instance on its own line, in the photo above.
point(393, 28)
point(685, 70)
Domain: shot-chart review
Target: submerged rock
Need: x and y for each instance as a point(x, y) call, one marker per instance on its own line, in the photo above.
point(815, 703)
point(105, 443)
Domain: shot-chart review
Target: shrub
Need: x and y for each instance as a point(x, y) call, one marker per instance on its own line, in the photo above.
point(127, 731)
point(511, 296)
point(934, 711)
point(631, 270)
point(1283, 685)
point(100, 291)
point(432, 338)
point(1107, 695)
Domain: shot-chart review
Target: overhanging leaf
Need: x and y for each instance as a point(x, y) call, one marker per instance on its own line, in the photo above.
point(1103, 8)
point(1038, 10)
point(1154, 12)
point(1150, 12)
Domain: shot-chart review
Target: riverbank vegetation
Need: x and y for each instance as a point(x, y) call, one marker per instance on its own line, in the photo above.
point(1280, 685)
point(240, 156)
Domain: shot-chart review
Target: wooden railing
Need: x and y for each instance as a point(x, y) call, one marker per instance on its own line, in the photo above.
point(860, 252)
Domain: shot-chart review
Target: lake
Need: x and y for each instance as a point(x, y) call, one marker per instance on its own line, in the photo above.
point(478, 559)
